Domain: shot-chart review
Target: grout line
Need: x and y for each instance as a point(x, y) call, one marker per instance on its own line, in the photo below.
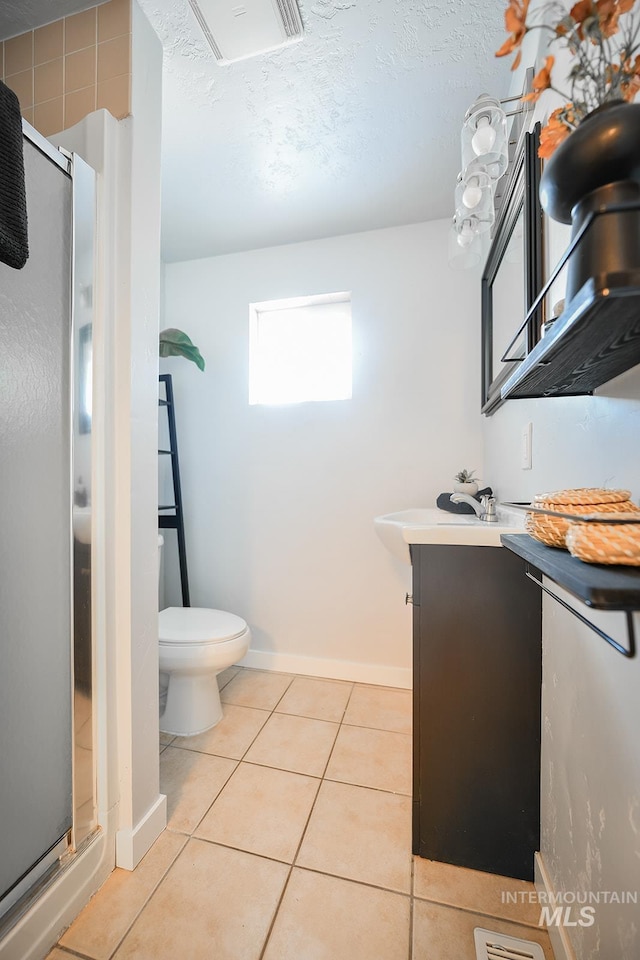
point(360, 883)
point(294, 773)
point(250, 853)
point(300, 842)
point(286, 883)
point(307, 716)
point(227, 682)
point(178, 833)
point(217, 794)
point(71, 953)
point(479, 913)
point(362, 726)
point(280, 699)
point(367, 786)
point(148, 898)
point(275, 913)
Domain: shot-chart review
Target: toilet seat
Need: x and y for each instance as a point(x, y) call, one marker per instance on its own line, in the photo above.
point(195, 645)
point(198, 625)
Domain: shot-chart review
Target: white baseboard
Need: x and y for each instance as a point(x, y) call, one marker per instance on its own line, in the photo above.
point(373, 673)
point(133, 842)
point(560, 943)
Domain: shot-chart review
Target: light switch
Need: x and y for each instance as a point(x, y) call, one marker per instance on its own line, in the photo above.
point(526, 459)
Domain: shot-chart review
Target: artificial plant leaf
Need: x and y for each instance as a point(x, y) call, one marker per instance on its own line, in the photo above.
point(176, 343)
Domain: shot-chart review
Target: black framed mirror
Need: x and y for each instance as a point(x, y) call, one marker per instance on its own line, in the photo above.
point(513, 274)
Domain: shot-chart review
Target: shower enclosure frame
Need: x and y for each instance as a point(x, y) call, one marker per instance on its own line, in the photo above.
point(84, 826)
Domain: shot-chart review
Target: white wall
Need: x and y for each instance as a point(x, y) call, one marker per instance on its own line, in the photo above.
point(591, 710)
point(143, 809)
point(280, 501)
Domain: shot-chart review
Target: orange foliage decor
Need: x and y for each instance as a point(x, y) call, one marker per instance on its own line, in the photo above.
point(603, 37)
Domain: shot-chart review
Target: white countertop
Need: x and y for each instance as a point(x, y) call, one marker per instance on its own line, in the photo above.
point(430, 525)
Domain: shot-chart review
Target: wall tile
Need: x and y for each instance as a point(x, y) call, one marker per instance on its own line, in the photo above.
point(48, 117)
point(115, 96)
point(114, 19)
point(48, 42)
point(22, 86)
point(114, 58)
point(80, 31)
point(80, 70)
point(54, 70)
point(78, 105)
point(18, 53)
point(47, 81)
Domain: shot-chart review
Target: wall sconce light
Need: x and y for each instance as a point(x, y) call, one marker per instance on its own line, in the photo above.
point(474, 200)
point(466, 248)
point(484, 137)
point(485, 159)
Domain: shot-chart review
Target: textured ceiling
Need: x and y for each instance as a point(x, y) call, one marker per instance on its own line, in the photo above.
point(18, 16)
point(355, 127)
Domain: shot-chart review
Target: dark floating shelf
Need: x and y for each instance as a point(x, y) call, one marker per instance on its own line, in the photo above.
point(596, 339)
point(599, 586)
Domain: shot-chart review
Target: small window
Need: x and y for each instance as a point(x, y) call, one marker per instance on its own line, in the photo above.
point(300, 349)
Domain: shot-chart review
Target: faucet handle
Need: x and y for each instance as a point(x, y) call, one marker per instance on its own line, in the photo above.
point(489, 506)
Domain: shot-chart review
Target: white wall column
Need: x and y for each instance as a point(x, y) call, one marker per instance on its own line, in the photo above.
point(142, 808)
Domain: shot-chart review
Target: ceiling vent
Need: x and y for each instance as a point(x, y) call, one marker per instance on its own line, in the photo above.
point(237, 30)
point(498, 946)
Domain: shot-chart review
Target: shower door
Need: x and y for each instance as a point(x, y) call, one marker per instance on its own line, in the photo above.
point(36, 790)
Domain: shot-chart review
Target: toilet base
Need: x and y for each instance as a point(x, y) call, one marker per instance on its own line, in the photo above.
point(193, 704)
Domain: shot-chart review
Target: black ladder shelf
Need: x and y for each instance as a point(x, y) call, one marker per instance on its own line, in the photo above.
point(174, 521)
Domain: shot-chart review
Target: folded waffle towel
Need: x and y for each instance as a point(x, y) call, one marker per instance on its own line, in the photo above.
point(444, 502)
point(14, 246)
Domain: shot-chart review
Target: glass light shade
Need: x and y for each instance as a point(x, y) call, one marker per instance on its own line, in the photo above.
point(484, 137)
point(471, 253)
point(474, 198)
point(483, 140)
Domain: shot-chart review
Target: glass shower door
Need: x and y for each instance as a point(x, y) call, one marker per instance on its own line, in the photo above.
point(36, 802)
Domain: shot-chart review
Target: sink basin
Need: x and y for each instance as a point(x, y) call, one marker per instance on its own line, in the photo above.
point(430, 525)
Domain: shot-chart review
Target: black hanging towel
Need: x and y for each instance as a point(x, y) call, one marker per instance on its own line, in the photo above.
point(14, 245)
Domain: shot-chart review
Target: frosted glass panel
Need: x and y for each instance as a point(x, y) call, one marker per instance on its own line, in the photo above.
point(35, 588)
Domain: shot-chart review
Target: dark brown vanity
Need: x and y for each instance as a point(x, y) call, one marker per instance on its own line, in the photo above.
point(477, 627)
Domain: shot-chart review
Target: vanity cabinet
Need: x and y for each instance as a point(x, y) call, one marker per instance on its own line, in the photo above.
point(477, 681)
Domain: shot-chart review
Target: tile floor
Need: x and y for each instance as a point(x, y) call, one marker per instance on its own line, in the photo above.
point(288, 838)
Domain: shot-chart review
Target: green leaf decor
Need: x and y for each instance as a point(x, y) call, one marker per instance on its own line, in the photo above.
point(175, 343)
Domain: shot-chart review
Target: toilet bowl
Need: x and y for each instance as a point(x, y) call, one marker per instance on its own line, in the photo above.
point(196, 644)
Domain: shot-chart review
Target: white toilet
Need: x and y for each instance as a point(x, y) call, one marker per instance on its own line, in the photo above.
point(196, 644)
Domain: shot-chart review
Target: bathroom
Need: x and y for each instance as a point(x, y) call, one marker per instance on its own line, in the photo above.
point(280, 501)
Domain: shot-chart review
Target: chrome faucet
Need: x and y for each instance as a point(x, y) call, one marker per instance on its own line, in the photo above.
point(484, 510)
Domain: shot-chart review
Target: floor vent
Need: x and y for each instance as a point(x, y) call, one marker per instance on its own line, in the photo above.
point(497, 946)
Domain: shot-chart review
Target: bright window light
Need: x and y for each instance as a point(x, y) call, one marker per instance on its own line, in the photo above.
point(300, 349)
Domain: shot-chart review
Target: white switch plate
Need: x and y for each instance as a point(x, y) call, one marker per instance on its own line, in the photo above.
point(526, 437)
